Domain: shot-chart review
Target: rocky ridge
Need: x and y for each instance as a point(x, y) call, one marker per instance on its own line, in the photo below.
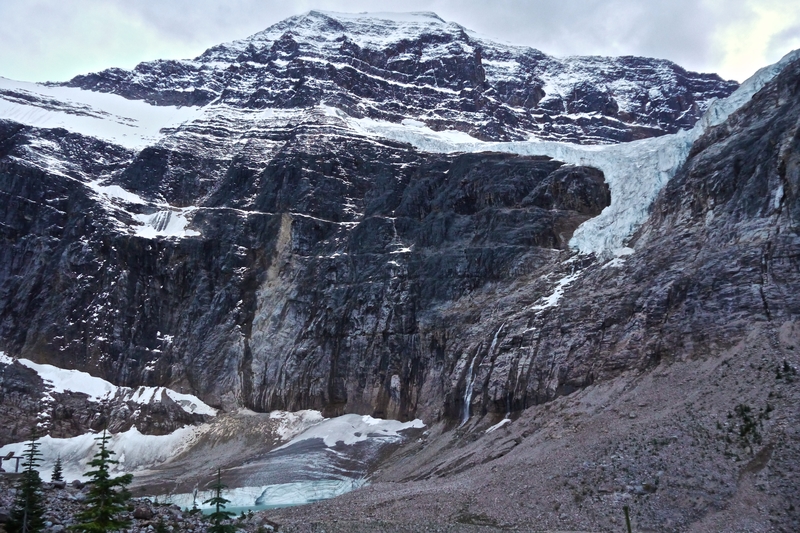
point(417, 66)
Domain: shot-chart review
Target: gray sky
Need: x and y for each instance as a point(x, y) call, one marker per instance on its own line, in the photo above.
point(57, 39)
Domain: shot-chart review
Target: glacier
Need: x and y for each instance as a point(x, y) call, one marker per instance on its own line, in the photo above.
point(635, 171)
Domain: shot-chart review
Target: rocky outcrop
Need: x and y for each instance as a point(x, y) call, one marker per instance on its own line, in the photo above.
point(31, 405)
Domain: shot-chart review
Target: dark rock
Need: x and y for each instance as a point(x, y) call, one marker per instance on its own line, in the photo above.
point(352, 274)
point(143, 513)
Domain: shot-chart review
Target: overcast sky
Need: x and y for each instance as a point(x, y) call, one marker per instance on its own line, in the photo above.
point(56, 39)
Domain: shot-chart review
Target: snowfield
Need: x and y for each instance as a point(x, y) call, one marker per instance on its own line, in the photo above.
point(134, 451)
point(59, 380)
point(133, 124)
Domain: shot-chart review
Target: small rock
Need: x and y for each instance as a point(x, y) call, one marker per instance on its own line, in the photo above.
point(143, 513)
point(78, 484)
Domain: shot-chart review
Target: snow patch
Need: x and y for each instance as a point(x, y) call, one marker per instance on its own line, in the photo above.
point(500, 424)
point(134, 451)
point(115, 192)
point(553, 299)
point(167, 223)
point(59, 380)
point(132, 124)
point(350, 429)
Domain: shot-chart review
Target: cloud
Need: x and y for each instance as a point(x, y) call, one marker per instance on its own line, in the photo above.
point(762, 33)
point(52, 40)
point(57, 39)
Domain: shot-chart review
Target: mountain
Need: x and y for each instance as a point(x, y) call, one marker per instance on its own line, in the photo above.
point(187, 246)
point(698, 429)
point(389, 215)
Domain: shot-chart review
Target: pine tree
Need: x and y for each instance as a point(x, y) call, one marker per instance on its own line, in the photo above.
point(28, 511)
point(161, 527)
point(57, 471)
point(219, 514)
point(107, 496)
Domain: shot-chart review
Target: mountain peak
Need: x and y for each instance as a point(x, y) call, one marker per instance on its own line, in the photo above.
point(397, 17)
point(367, 30)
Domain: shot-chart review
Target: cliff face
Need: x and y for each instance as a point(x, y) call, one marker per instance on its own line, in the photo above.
point(714, 261)
point(287, 303)
point(263, 246)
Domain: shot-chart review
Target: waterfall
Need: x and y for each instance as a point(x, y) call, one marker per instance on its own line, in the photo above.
point(471, 379)
point(468, 391)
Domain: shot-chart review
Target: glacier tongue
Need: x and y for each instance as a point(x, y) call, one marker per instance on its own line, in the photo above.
point(635, 171)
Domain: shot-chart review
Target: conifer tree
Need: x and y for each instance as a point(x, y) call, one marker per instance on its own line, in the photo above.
point(107, 496)
point(219, 514)
point(57, 474)
point(28, 511)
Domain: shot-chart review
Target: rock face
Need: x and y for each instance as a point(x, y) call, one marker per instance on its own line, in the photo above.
point(713, 261)
point(289, 303)
point(267, 253)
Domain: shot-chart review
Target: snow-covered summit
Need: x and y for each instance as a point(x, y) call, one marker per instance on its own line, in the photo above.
point(368, 30)
point(417, 66)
